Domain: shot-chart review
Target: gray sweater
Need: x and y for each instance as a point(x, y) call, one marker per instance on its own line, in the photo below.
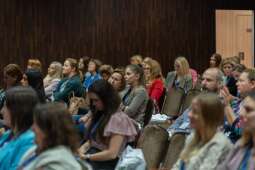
point(58, 158)
point(210, 155)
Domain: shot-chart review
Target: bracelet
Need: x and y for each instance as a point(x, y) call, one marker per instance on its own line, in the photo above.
point(87, 156)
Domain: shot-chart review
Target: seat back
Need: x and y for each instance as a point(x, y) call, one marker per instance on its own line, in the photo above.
point(172, 102)
point(188, 99)
point(153, 142)
point(175, 147)
point(148, 112)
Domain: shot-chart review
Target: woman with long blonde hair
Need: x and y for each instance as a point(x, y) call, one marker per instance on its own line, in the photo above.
point(181, 77)
point(206, 146)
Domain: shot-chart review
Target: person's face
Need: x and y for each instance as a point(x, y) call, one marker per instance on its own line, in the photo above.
point(147, 70)
point(24, 81)
point(91, 67)
point(212, 62)
point(227, 69)
point(244, 85)
point(67, 69)
point(130, 76)
point(236, 74)
point(105, 76)
point(177, 67)
point(247, 114)
point(51, 70)
point(96, 102)
point(115, 80)
point(209, 81)
point(39, 135)
point(195, 121)
point(6, 116)
point(81, 64)
point(9, 80)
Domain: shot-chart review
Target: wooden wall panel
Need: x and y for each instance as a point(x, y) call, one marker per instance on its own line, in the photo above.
point(111, 30)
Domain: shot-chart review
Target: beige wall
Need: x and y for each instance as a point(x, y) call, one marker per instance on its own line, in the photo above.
point(234, 34)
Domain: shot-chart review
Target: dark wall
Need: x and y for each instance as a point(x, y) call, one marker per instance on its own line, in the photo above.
point(111, 30)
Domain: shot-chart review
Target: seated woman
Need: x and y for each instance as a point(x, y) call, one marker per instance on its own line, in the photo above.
point(52, 79)
point(242, 155)
point(35, 64)
point(70, 84)
point(56, 140)
point(181, 77)
point(154, 80)
point(18, 116)
point(105, 71)
point(109, 129)
point(215, 60)
point(34, 79)
point(230, 82)
point(206, 146)
point(135, 97)
point(12, 77)
point(117, 80)
point(93, 70)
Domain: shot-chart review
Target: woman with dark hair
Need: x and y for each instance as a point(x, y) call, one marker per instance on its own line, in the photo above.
point(56, 140)
point(18, 116)
point(12, 77)
point(135, 97)
point(93, 70)
point(109, 129)
point(34, 78)
point(215, 60)
point(70, 84)
point(117, 80)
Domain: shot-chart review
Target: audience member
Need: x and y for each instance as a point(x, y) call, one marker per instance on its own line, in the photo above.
point(181, 77)
point(69, 85)
point(206, 146)
point(18, 116)
point(105, 71)
point(35, 64)
point(56, 140)
point(215, 60)
point(109, 129)
point(135, 97)
point(52, 79)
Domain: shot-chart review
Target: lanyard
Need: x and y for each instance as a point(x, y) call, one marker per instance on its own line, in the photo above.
point(8, 139)
point(244, 164)
point(28, 161)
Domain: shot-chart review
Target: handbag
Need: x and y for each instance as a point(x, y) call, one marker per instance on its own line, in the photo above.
point(131, 159)
point(77, 102)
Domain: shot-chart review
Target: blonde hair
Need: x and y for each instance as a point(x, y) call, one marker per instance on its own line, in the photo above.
point(34, 64)
point(155, 69)
point(211, 114)
point(58, 73)
point(137, 58)
point(184, 65)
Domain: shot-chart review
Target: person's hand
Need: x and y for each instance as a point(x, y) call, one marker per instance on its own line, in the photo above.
point(1, 131)
point(84, 119)
point(225, 94)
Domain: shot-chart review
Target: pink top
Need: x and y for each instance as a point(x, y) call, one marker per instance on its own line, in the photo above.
point(119, 124)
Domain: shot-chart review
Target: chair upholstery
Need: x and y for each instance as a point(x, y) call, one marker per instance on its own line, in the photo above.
point(153, 142)
point(172, 102)
point(175, 147)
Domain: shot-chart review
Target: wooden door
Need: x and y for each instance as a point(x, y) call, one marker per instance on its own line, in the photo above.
point(235, 35)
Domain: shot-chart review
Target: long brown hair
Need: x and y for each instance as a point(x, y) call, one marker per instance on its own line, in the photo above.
point(111, 102)
point(57, 125)
point(211, 114)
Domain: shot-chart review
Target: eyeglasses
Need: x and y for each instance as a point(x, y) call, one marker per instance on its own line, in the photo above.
point(146, 68)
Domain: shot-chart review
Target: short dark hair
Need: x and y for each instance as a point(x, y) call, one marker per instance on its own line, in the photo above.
point(21, 102)
point(57, 125)
point(14, 70)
